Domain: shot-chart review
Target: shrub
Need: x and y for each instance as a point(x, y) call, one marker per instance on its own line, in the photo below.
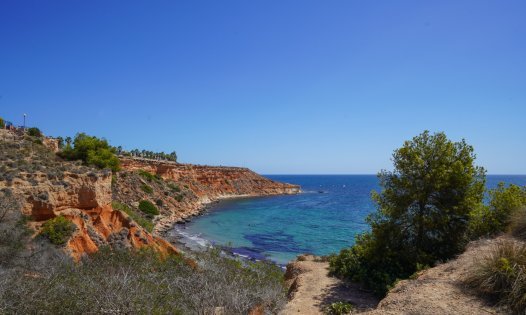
point(13, 230)
point(179, 197)
point(518, 224)
point(58, 230)
point(139, 282)
point(92, 151)
point(423, 212)
point(339, 308)
point(501, 274)
point(159, 202)
point(149, 177)
point(2, 123)
point(145, 223)
point(148, 207)
point(147, 189)
point(488, 220)
point(34, 132)
point(174, 187)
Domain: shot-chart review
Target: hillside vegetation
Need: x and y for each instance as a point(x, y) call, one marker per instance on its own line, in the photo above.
point(38, 275)
point(429, 208)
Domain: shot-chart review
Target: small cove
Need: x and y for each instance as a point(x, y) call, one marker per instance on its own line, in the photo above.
point(322, 220)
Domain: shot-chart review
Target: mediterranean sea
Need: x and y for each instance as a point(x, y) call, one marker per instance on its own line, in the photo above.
point(322, 220)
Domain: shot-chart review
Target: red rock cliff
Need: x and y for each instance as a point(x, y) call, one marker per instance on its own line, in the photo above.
point(204, 184)
point(85, 199)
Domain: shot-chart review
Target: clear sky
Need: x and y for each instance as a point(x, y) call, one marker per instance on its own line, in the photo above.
point(329, 87)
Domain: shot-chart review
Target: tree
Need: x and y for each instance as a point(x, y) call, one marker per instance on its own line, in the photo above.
point(2, 123)
point(60, 142)
point(495, 217)
point(92, 151)
point(34, 132)
point(423, 212)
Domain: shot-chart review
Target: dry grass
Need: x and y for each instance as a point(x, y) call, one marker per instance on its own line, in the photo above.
point(518, 224)
point(501, 274)
point(141, 283)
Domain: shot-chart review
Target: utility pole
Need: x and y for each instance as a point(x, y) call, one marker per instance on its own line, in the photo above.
point(25, 122)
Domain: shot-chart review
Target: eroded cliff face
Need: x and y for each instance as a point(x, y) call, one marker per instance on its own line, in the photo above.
point(48, 187)
point(198, 186)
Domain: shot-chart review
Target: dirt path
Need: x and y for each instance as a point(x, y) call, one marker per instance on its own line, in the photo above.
point(312, 289)
point(439, 290)
point(436, 291)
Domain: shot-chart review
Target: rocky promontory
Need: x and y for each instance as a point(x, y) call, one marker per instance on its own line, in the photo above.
point(48, 187)
point(183, 190)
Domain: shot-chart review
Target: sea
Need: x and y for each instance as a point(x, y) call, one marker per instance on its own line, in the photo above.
point(321, 220)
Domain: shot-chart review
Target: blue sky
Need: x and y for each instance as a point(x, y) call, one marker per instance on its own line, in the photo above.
point(328, 87)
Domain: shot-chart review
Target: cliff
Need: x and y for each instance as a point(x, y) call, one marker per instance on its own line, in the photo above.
point(186, 188)
point(48, 187)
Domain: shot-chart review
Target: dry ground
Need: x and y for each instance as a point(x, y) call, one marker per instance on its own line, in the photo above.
point(438, 290)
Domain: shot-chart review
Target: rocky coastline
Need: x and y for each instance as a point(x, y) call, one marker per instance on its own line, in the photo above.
point(199, 186)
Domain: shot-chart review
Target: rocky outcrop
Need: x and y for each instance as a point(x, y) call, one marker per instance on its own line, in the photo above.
point(47, 198)
point(198, 184)
point(212, 182)
point(85, 199)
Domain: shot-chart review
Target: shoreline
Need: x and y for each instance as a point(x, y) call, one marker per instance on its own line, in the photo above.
point(175, 236)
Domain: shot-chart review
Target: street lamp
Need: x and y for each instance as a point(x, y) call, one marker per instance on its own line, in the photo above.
point(25, 121)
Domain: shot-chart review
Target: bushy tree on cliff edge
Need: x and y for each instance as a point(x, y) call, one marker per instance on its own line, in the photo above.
point(423, 212)
point(92, 151)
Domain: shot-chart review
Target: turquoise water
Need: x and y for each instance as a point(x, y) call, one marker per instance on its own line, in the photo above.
point(322, 220)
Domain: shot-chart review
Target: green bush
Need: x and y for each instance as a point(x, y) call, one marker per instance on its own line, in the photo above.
point(423, 212)
point(58, 230)
point(92, 151)
point(2, 123)
point(174, 187)
point(147, 189)
point(148, 207)
point(501, 274)
point(34, 132)
point(145, 223)
point(488, 220)
point(518, 224)
point(339, 308)
point(179, 197)
point(149, 177)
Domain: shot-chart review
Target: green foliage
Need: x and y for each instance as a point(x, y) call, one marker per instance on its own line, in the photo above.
point(488, 220)
point(148, 207)
point(2, 123)
point(174, 187)
point(92, 151)
point(339, 308)
point(58, 230)
point(179, 197)
point(34, 132)
point(147, 189)
point(500, 274)
point(518, 224)
point(423, 212)
point(149, 177)
point(151, 155)
point(159, 202)
point(145, 223)
point(60, 142)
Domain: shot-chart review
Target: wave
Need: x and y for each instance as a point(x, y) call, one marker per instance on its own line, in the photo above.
point(191, 240)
